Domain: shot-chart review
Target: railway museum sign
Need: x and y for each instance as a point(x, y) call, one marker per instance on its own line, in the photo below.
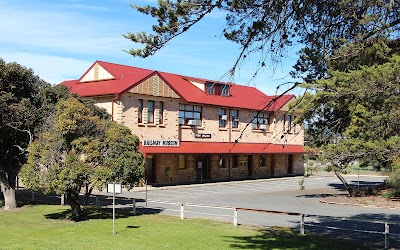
point(161, 143)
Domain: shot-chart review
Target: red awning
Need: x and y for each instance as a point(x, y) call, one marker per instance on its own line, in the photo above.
point(224, 148)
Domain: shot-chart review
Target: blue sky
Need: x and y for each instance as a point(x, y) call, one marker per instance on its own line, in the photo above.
point(60, 39)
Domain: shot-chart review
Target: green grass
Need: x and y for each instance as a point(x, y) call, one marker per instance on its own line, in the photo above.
point(45, 227)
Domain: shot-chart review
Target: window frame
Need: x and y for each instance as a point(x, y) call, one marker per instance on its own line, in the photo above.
point(221, 112)
point(222, 161)
point(182, 162)
point(140, 111)
point(161, 113)
point(224, 90)
point(235, 124)
point(210, 88)
point(289, 123)
point(257, 116)
point(235, 161)
point(189, 112)
point(262, 160)
point(150, 112)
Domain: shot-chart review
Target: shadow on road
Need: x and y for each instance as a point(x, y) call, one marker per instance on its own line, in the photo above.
point(367, 228)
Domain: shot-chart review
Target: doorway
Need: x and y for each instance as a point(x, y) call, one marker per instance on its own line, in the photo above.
point(202, 168)
point(149, 170)
point(290, 164)
point(272, 166)
point(250, 165)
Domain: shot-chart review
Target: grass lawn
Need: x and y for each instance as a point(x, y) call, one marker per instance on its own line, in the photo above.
point(45, 227)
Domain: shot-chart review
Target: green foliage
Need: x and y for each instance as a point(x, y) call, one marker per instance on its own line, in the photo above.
point(270, 27)
point(357, 115)
point(25, 102)
point(77, 149)
point(394, 181)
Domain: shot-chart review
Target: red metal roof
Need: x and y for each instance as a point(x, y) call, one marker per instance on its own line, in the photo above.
point(224, 148)
point(127, 77)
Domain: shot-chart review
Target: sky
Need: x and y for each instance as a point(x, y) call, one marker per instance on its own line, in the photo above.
point(61, 39)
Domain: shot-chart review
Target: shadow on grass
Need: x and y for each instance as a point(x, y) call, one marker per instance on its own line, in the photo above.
point(369, 233)
point(287, 239)
point(102, 213)
point(92, 213)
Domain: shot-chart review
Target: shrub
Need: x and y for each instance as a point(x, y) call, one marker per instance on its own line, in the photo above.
point(394, 181)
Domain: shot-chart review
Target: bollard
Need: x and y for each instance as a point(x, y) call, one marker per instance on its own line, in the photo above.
point(235, 217)
point(302, 224)
point(33, 196)
point(133, 206)
point(182, 210)
point(386, 235)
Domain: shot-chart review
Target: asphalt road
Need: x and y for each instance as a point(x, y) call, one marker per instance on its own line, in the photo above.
point(281, 194)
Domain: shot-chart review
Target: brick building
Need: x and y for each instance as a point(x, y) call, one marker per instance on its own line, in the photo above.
point(196, 130)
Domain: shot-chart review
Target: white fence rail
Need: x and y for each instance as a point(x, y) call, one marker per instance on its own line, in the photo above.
point(184, 209)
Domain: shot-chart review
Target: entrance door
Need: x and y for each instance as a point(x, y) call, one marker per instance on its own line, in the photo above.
point(290, 164)
point(272, 165)
point(202, 168)
point(149, 170)
point(250, 165)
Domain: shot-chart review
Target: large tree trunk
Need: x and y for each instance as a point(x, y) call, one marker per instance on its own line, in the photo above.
point(346, 185)
point(73, 200)
point(9, 196)
point(88, 192)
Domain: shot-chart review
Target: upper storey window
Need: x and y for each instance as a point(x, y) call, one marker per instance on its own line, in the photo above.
point(217, 89)
point(189, 115)
point(260, 120)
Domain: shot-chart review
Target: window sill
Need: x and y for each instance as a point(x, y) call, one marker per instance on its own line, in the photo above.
point(261, 131)
point(191, 127)
point(222, 129)
point(141, 124)
point(151, 125)
point(161, 125)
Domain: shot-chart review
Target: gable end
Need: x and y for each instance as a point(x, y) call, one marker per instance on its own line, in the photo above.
point(96, 73)
point(154, 86)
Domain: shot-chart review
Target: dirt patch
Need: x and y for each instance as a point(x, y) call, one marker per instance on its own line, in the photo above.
point(369, 201)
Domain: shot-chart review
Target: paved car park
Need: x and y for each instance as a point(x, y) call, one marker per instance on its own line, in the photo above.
point(215, 201)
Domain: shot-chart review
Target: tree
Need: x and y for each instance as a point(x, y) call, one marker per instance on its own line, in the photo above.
point(270, 27)
point(78, 149)
point(340, 39)
point(357, 112)
point(25, 100)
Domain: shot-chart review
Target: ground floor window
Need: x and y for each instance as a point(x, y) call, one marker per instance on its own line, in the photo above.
point(235, 161)
point(222, 161)
point(182, 162)
point(262, 160)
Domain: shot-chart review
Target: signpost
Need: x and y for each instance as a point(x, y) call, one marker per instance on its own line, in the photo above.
point(114, 188)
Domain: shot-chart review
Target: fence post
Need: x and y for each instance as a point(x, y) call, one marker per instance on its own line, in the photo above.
point(235, 217)
point(386, 235)
point(182, 210)
point(97, 202)
point(62, 199)
point(302, 224)
point(133, 206)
